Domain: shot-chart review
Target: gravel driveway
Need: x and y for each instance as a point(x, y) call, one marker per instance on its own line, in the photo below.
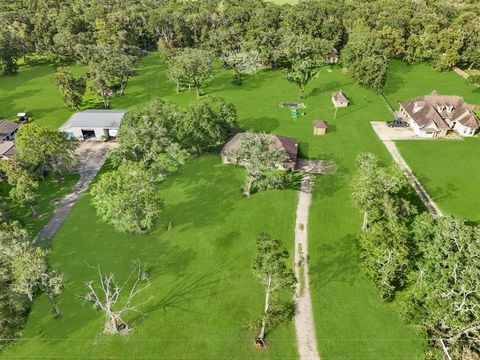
point(92, 156)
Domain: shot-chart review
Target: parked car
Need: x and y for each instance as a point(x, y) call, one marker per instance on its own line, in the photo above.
point(397, 123)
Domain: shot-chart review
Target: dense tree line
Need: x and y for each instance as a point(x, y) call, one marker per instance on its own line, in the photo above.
point(24, 270)
point(155, 141)
point(444, 32)
point(434, 261)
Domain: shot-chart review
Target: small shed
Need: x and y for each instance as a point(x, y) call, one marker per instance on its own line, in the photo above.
point(339, 99)
point(320, 127)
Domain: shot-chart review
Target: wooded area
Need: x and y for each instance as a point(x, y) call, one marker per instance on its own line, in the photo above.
point(109, 35)
point(402, 250)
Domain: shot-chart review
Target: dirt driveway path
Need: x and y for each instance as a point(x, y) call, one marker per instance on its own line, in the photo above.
point(304, 324)
point(431, 206)
point(92, 156)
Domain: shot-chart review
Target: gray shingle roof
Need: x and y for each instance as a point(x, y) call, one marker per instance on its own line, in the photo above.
point(105, 119)
point(6, 128)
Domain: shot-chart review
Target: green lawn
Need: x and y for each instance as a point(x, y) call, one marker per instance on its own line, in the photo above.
point(204, 289)
point(204, 292)
point(450, 170)
point(48, 191)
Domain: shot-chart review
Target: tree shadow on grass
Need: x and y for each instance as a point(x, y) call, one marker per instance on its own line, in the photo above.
point(264, 124)
point(192, 287)
point(338, 262)
point(332, 182)
point(396, 77)
point(209, 191)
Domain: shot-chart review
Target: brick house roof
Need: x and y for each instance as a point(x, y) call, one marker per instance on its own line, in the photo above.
point(440, 110)
point(289, 145)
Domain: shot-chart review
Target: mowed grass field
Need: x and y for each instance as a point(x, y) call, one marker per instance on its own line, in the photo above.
point(450, 170)
point(204, 290)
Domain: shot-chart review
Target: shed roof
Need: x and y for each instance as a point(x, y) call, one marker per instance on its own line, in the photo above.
point(7, 127)
point(320, 124)
point(339, 97)
point(105, 119)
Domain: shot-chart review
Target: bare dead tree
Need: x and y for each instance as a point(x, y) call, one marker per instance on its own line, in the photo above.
point(107, 294)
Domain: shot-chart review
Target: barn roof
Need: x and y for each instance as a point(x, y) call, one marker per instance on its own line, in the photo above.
point(105, 119)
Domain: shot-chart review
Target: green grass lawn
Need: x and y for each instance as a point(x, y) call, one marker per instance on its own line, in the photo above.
point(201, 278)
point(450, 170)
point(204, 291)
point(48, 191)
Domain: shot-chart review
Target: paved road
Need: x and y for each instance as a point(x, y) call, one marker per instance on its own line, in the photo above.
point(92, 156)
point(304, 324)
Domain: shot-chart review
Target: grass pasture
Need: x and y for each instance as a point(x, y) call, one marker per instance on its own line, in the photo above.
point(201, 279)
point(449, 170)
point(47, 192)
point(204, 292)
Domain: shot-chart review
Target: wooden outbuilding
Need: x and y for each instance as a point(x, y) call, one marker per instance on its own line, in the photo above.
point(320, 127)
point(339, 99)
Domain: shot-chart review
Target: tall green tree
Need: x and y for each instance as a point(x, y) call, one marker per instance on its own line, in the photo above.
point(192, 66)
point(149, 135)
point(44, 150)
point(304, 55)
point(242, 62)
point(372, 182)
point(387, 245)
point(24, 187)
point(72, 89)
point(273, 268)
point(128, 198)
point(32, 274)
point(366, 57)
point(260, 155)
point(208, 123)
point(13, 306)
point(444, 296)
point(10, 51)
point(109, 69)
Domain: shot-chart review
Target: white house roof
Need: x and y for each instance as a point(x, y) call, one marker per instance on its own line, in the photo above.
point(105, 119)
